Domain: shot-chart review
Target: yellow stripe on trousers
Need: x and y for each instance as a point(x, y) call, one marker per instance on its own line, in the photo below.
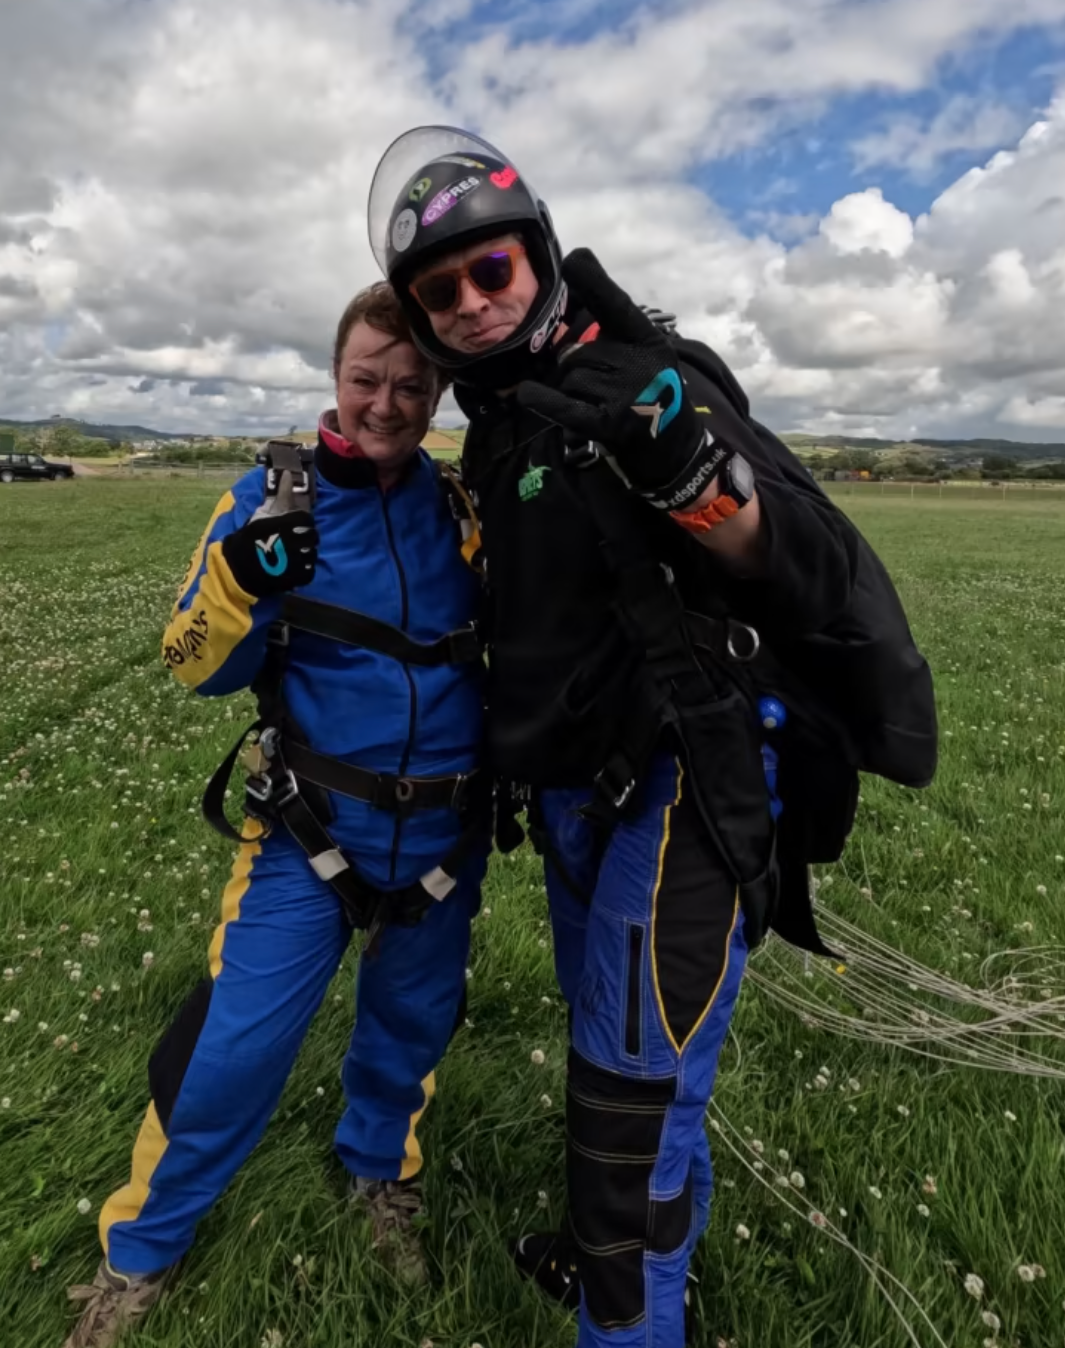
point(127, 1203)
point(412, 1159)
point(679, 1048)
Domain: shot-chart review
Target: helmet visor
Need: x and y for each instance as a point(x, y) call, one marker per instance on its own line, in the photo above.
point(399, 168)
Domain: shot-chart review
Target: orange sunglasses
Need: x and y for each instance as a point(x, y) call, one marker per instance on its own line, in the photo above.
point(491, 273)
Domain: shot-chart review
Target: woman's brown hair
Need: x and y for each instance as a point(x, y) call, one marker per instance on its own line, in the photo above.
point(378, 306)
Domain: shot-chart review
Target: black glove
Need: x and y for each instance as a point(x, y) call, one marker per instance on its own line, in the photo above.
point(624, 391)
point(273, 553)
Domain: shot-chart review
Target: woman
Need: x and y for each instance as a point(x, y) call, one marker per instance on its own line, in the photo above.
point(364, 813)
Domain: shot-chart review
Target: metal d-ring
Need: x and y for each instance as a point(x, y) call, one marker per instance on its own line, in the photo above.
point(743, 657)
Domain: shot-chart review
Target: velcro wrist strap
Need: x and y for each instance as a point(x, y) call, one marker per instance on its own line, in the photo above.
point(689, 484)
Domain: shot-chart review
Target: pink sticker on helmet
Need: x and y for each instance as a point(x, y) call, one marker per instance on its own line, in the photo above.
point(505, 177)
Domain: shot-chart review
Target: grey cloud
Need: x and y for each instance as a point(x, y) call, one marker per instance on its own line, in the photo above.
point(203, 170)
point(17, 288)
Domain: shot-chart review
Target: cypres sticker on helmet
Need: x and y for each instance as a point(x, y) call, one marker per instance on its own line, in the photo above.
point(404, 229)
point(450, 196)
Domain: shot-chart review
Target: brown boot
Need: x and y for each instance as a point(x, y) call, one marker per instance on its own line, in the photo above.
point(394, 1207)
point(114, 1301)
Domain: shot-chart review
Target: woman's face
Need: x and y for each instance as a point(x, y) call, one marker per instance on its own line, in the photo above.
point(386, 395)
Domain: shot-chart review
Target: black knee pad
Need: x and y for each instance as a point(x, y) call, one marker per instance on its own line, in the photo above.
point(614, 1129)
point(170, 1061)
point(460, 1014)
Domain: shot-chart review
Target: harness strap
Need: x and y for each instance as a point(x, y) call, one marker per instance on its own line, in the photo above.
point(276, 795)
point(385, 791)
point(351, 628)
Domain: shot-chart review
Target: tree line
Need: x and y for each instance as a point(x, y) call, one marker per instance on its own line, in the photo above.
point(907, 467)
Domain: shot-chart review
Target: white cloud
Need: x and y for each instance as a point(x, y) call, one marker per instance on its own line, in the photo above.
point(865, 222)
point(183, 190)
point(963, 124)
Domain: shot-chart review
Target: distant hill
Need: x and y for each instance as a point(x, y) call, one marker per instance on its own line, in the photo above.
point(961, 450)
point(1010, 449)
point(92, 430)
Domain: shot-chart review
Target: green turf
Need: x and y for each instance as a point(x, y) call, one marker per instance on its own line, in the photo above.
point(102, 759)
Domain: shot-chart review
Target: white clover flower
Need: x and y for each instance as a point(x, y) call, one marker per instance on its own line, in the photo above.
point(541, 1199)
point(974, 1285)
point(742, 1232)
point(546, 1101)
point(84, 1206)
point(1010, 1116)
point(929, 1185)
point(923, 1210)
point(991, 1320)
point(5, 1103)
point(796, 1180)
point(875, 1191)
point(147, 959)
point(537, 1057)
point(818, 1219)
point(902, 1109)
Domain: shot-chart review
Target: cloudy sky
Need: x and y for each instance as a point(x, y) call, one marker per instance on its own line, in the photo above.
point(860, 203)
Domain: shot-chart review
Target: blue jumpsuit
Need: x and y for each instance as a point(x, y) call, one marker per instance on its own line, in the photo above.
point(218, 1072)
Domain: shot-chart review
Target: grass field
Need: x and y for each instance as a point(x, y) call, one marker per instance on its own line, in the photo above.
point(105, 861)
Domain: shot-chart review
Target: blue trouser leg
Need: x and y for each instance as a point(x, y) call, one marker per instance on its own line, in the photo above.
point(408, 999)
point(663, 957)
point(218, 1073)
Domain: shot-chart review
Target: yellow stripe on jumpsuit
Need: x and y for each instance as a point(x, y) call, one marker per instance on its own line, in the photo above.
point(385, 534)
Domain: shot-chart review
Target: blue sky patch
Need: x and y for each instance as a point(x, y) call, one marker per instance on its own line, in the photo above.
point(805, 169)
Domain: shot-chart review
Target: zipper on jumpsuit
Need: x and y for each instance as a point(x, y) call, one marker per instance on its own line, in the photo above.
point(404, 761)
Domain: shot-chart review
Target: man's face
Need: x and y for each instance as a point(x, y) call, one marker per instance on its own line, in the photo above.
point(478, 321)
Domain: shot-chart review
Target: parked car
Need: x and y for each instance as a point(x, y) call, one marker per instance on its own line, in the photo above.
point(31, 468)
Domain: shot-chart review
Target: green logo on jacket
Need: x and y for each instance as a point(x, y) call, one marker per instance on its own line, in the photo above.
point(532, 483)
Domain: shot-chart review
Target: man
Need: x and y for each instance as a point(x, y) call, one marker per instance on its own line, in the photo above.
point(620, 484)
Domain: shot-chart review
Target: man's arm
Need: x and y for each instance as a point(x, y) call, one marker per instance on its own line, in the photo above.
point(788, 558)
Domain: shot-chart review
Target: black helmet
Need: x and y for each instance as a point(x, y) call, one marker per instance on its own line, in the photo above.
point(438, 189)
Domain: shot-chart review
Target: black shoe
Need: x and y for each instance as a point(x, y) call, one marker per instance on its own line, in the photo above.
point(548, 1258)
